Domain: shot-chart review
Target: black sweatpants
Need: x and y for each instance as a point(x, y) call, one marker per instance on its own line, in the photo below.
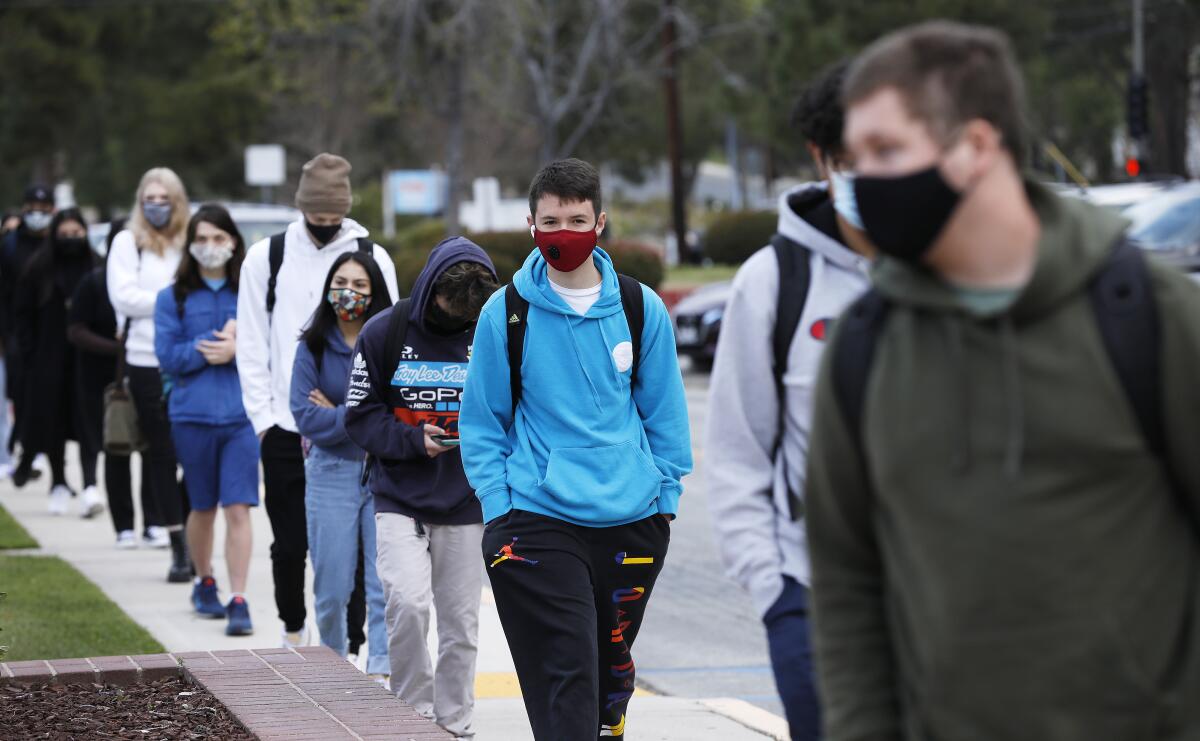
point(283, 480)
point(571, 600)
point(145, 386)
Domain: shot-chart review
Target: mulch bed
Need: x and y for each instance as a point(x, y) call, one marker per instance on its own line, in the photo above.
point(167, 709)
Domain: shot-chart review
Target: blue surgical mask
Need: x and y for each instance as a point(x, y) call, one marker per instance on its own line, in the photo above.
point(157, 214)
point(844, 201)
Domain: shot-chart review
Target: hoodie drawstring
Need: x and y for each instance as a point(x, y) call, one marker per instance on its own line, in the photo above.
point(1014, 452)
point(582, 365)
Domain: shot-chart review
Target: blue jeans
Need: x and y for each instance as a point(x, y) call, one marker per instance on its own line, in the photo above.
point(5, 458)
point(341, 514)
point(791, 660)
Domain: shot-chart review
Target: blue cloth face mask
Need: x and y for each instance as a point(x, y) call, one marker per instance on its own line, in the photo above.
point(157, 215)
point(844, 201)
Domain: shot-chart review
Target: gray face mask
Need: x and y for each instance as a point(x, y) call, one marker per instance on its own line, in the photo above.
point(37, 221)
point(157, 214)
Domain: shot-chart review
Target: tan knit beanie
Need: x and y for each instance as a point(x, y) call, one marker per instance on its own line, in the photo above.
point(324, 186)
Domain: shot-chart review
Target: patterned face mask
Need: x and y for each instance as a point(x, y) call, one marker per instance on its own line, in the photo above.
point(348, 303)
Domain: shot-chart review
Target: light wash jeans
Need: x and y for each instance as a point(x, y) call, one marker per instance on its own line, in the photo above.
point(339, 512)
point(5, 459)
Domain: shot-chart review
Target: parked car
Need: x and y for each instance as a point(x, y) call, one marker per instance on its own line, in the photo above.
point(1168, 226)
point(697, 322)
point(256, 221)
point(1118, 196)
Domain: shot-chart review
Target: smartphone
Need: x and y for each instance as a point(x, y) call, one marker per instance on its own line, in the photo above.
point(447, 441)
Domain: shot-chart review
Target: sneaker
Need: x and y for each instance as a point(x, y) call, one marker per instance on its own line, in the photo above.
point(205, 599)
point(383, 680)
point(295, 639)
point(91, 503)
point(126, 540)
point(156, 536)
point(60, 499)
point(238, 613)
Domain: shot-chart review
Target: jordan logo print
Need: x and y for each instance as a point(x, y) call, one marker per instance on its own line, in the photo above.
point(506, 554)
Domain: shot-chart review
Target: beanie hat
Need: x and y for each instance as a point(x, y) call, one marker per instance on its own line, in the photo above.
point(324, 185)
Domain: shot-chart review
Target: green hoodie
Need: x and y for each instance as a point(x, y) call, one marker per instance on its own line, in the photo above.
point(1010, 563)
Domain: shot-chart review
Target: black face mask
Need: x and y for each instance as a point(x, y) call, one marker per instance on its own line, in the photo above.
point(443, 321)
point(322, 234)
point(73, 247)
point(904, 215)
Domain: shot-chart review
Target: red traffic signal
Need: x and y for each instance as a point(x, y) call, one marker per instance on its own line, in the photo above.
point(1133, 167)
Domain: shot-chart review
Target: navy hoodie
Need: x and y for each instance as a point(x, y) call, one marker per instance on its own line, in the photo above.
point(387, 408)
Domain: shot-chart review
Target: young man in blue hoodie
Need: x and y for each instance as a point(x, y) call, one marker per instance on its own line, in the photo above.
point(402, 407)
point(580, 474)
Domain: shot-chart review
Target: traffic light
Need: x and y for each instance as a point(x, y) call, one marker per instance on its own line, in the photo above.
point(1138, 93)
point(1133, 167)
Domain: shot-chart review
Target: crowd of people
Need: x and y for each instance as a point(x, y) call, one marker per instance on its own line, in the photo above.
point(973, 517)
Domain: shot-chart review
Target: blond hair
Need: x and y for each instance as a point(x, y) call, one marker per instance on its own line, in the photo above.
point(173, 234)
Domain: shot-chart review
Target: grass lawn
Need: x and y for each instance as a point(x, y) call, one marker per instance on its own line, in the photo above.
point(52, 612)
point(680, 276)
point(12, 535)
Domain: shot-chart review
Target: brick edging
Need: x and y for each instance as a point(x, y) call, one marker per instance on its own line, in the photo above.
point(276, 693)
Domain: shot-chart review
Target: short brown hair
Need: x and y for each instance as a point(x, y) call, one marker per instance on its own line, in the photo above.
point(466, 286)
point(570, 180)
point(948, 74)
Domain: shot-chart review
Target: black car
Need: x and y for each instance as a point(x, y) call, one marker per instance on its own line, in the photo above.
point(697, 321)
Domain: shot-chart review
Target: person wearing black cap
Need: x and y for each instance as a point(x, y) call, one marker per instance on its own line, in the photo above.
point(37, 208)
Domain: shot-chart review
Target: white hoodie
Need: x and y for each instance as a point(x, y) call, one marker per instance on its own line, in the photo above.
point(266, 344)
point(133, 286)
point(747, 489)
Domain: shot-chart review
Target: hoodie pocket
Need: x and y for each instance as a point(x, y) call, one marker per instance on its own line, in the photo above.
point(604, 484)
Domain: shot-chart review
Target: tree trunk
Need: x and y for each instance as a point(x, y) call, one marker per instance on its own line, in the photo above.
point(454, 140)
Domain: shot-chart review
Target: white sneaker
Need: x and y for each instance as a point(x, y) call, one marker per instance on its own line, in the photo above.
point(383, 680)
point(91, 503)
point(126, 540)
point(156, 536)
point(60, 499)
point(295, 640)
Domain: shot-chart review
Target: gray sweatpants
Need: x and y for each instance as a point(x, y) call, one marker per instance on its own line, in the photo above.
point(438, 565)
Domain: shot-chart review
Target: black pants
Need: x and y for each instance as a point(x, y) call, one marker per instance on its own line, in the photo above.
point(145, 386)
point(118, 485)
point(283, 479)
point(571, 600)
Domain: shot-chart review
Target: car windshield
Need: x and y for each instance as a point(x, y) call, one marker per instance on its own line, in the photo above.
point(1172, 228)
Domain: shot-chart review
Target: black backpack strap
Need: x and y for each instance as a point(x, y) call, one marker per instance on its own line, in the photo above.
point(794, 280)
point(516, 309)
point(366, 245)
point(633, 302)
point(394, 340)
point(275, 260)
point(857, 335)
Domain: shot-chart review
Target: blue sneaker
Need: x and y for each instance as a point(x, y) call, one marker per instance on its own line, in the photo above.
point(239, 618)
point(205, 600)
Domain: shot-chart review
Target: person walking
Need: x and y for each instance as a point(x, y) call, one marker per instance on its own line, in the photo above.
point(337, 503)
point(40, 319)
point(280, 286)
point(1003, 498)
point(144, 259)
point(17, 248)
point(92, 329)
point(575, 436)
point(403, 406)
point(784, 301)
point(194, 328)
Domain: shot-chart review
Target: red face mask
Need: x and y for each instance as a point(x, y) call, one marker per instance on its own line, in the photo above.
point(564, 249)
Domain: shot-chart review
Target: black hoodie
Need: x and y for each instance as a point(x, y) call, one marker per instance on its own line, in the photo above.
point(393, 404)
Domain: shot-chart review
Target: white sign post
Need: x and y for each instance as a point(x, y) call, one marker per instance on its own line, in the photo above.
point(266, 167)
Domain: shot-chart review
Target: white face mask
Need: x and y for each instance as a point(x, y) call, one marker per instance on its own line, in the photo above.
point(211, 256)
point(36, 221)
point(843, 198)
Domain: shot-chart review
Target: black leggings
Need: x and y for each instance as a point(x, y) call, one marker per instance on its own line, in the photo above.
point(145, 386)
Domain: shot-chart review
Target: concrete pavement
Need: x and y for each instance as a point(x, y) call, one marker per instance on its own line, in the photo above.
point(136, 580)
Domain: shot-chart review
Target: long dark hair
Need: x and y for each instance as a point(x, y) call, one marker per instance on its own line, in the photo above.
point(40, 269)
point(187, 277)
point(323, 319)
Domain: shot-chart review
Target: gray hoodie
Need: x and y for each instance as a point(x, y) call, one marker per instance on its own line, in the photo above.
point(747, 487)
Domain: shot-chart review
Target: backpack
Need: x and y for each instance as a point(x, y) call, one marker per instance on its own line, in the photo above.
point(1126, 315)
point(275, 259)
point(516, 308)
point(795, 274)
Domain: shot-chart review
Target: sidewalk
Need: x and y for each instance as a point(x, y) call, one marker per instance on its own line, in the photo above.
point(136, 581)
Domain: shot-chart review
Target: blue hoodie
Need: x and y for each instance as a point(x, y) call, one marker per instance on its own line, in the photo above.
point(583, 448)
point(325, 427)
point(200, 393)
point(389, 407)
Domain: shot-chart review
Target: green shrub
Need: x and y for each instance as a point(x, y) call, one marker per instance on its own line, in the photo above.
point(422, 235)
point(637, 260)
point(733, 237)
